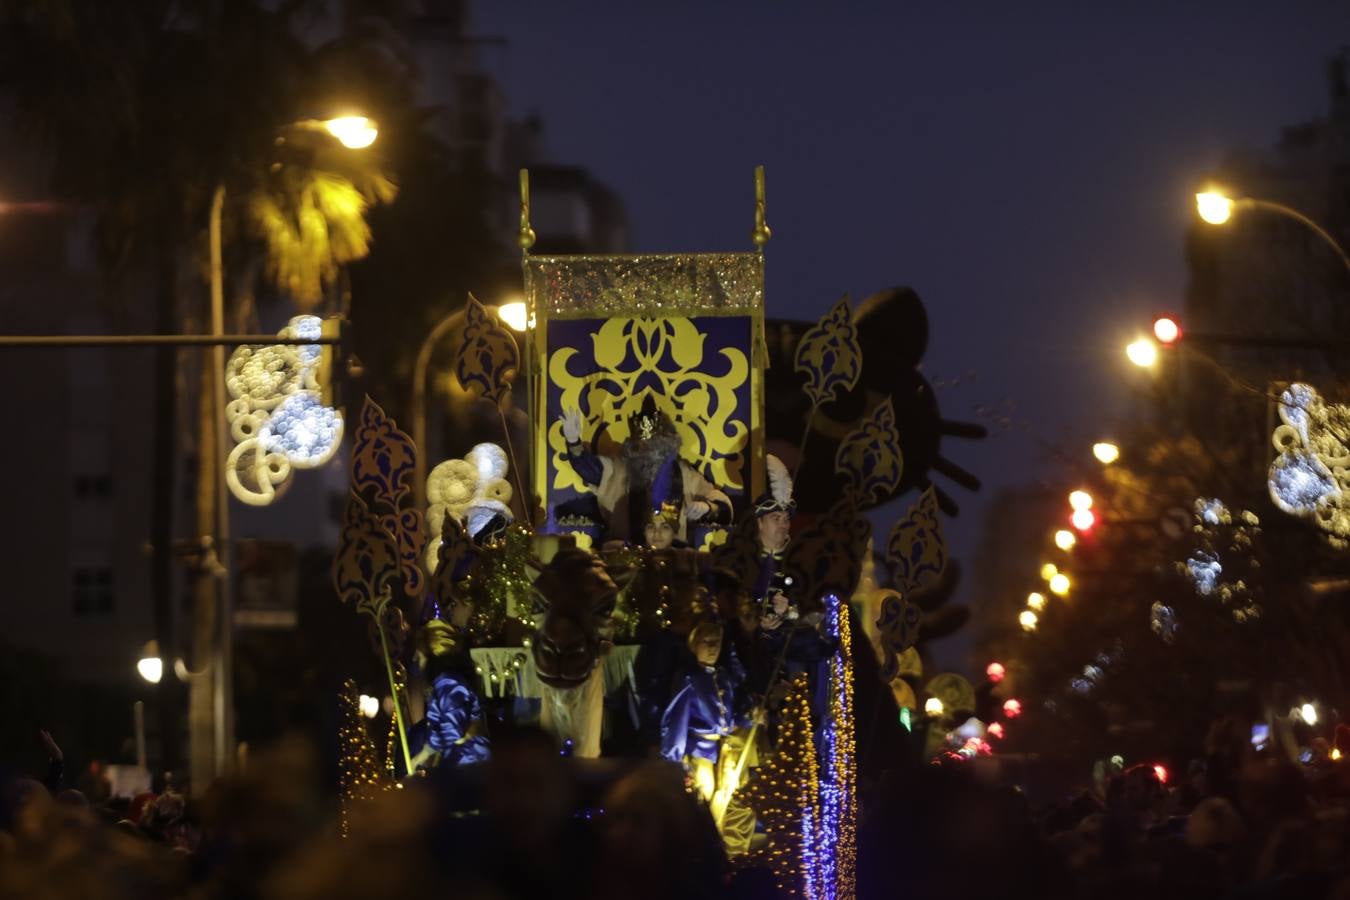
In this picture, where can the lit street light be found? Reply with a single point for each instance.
(1217, 209)
(933, 707)
(1059, 585)
(1106, 452)
(1213, 207)
(514, 315)
(1027, 620)
(1142, 352)
(353, 132)
(1065, 539)
(1048, 571)
(1080, 500)
(1036, 601)
(150, 666)
(1083, 519)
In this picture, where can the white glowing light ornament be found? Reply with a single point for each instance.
(277, 418)
(1311, 476)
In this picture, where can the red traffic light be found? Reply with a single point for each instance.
(1166, 329)
(1083, 519)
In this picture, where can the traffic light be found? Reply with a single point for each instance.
(1167, 330)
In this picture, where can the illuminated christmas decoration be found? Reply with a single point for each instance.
(995, 672)
(1204, 570)
(1065, 539)
(1012, 707)
(785, 794)
(830, 868)
(1083, 519)
(933, 707)
(1048, 571)
(1212, 511)
(1309, 478)
(277, 417)
(361, 777)
(1163, 621)
(1308, 713)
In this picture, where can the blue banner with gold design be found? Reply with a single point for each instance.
(696, 355)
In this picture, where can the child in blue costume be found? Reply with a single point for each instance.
(453, 726)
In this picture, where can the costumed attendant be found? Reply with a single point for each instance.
(704, 729)
(773, 521)
(623, 485)
(453, 728)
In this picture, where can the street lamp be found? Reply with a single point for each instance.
(1065, 539)
(1106, 452)
(1027, 620)
(514, 315)
(150, 666)
(1142, 352)
(933, 707)
(1036, 601)
(354, 132)
(1059, 585)
(1048, 571)
(1216, 209)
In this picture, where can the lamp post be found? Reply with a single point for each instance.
(1216, 208)
(354, 133)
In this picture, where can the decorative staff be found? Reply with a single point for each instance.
(831, 359)
(487, 364)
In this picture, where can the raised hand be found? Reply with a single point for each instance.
(571, 425)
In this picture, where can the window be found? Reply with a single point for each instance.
(92, 590)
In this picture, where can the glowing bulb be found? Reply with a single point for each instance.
(1308, 712)
(1166, 330)
(1335, 754)
(1027, 620)
(1161, 772)
(1059, 585)
(933, 706)
(1012, 707)
(1083, 519)
(1106, 452)
(1049, 571)
(514, 315)
(1080, 500)
(995, 672)
(1064, 539)
(996, 729)
(151, 668)
(1143, 353)
(353, 132)
(1036, 600)
(369, 706)
(1213, 207)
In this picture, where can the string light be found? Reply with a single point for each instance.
(830, 869)
(360, 775)
(785, 795)
(1036, 600)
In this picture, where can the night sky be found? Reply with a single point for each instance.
(1028, 170)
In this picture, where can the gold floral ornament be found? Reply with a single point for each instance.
(1311, 476)
(898, 624)
(916, 552)
(383, 460)
(276, 416)
(869, 459)
(663, 357)
(365, 567)
(487, 364)
(829, 355)
(488, 360)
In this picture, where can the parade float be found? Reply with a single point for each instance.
(646, 585)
